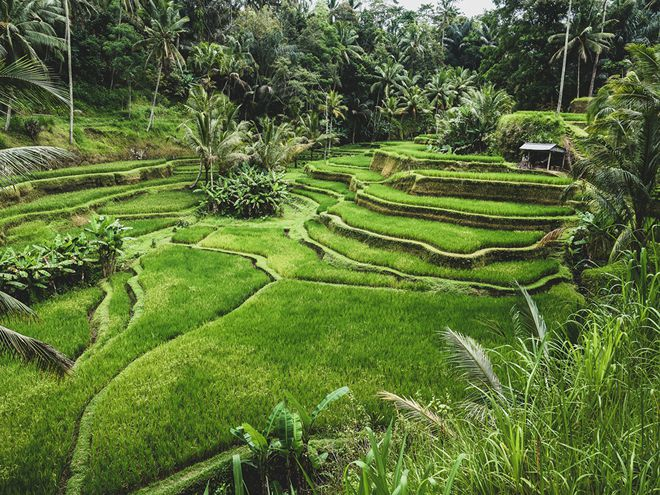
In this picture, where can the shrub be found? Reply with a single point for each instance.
(248, 192)
(579, 105)
(32, 128)
(42, 270)
(520, 127)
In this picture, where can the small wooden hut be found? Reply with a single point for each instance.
(543, 154)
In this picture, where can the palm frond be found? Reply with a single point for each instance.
(471, 360)
(413, 410)
(16, 163)
(33, 350)
(551, 236)
(10, 306)
(26, 81)
(529, 316)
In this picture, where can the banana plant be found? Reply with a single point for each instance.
(285, 438)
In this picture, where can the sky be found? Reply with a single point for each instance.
(468, 7)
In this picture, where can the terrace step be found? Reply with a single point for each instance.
(477, 188)
(75, 182)
(408, 266)
(351, 176)
(431, 253)
(380, 205)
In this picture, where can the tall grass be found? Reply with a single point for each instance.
(572, 410)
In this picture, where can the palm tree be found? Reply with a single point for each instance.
(387, 75)
(622, 154)
(24, 81)
(276, 145)
(349, 49)
(412, 44)
(447, 14)
(597, 59)
(28, 32)
(584, 42)
(391, 108)
(162, 40)
(333, 108)
(462, 80)
(28, 348)
(565, 56)
(214, 134)
(441, 92)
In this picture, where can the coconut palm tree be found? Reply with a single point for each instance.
(387, 76)
(441, 92)
(28, 32)
(391, 108)
(276, 145)
(349, 48)
(584, 43)
(447, 15)
(621, 158)
(412, 45)
(214, 133)
(28, 348)
(333, 108)
(162, 42)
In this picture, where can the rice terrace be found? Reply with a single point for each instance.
(330, 247)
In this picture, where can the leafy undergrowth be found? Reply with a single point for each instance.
(497, 208)
(108, 136)
(176, 404)
(445, 236)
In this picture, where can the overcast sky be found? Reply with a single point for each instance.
(468, 7)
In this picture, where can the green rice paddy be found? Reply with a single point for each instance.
(486, 207)
(211, 320)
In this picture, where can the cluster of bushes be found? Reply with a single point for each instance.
(42, 270)
(32, 125)
(247, 192)
(537, 127)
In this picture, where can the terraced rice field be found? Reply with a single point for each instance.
(213, 320)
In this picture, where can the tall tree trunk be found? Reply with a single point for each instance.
(578, 76)
(597, 59)
(130, 99)
(563, 65)
(67, 36)
(153, 103)
(8, 118)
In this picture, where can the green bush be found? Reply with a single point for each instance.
(579, 105)
(520, 127)
(42, 270)
(248, 192)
